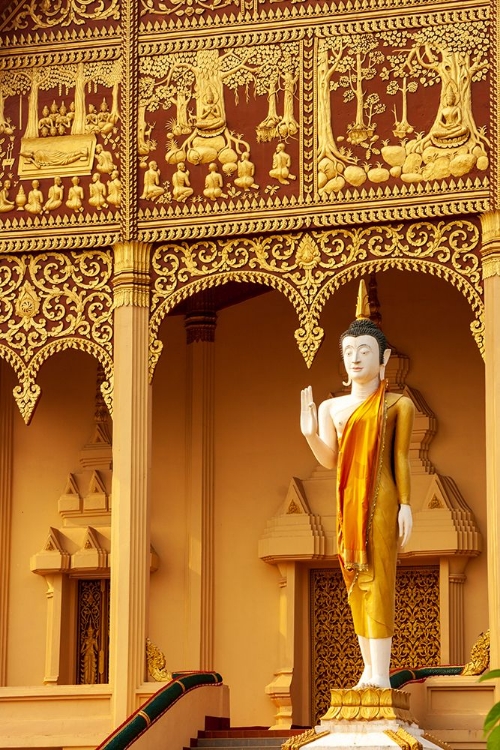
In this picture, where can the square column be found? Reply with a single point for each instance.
(6, 466)
(130, 545)
(200, 326)
(491, 277)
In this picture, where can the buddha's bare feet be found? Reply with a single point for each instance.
(378, 681)
(364, 680)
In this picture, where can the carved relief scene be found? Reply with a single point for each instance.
(59, 159)
(403, 108)
(340, 120)
(348, 113)
(230, 128)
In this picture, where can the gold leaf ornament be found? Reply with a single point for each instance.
(157, 663)
(308, 254)
(27, 303)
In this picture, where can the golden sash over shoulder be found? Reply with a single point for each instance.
(357, 481)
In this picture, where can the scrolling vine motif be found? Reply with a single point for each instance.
(308, 267)
(52, 302)
(182, 8)
(45, 14)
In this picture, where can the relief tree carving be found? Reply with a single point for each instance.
(331, 159)
(455, 56)
(280, 74)
(9, 86)
(400, 81)
(358, 65)
(452, 56)
(84, 75)
(70, 76)
(196, 85)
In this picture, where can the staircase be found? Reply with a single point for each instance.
(254, 738)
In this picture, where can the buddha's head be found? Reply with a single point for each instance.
(363, 346)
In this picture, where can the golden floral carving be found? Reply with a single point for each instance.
(27, 303)
(308, 254)
(295, 743)
(480, 656)
(40, 242)
(45, 14)
(285, 11)
(49, 303)
(157, 663)
(368, 704)
(404, 739)
(309, 267)
(182, 8)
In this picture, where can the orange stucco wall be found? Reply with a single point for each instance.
(45, 453)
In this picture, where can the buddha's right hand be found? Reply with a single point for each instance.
(308, 413)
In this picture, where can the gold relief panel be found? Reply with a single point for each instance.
(168, 15)
(336, 661)
(220, 126)
(372, 129)
(347, 122)
(27, 17)
(59, 143)
(304, 114)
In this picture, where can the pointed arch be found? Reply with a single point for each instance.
(308, 267)
(307, 332)
(27, 392)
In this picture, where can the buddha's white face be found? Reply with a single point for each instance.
(361, 358)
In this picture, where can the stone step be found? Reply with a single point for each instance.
(256, 739)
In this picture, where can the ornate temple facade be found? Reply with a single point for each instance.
(190, 191)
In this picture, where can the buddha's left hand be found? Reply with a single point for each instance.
(405, 523)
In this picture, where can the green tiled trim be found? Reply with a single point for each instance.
(156, 706)
(402, 676)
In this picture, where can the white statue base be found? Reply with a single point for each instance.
(371, 718)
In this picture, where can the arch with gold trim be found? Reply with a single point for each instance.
(308, 267)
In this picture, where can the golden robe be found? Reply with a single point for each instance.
(373, 479)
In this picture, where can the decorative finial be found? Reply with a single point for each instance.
(362, 304)
(375, 314)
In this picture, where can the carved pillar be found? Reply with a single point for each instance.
(6, 425)
(451, 595)
(56, 585)
(457, 581)
(131, 487)
(200, 332)
(280, 689)
(491, 278)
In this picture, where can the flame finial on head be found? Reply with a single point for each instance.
(362, 304)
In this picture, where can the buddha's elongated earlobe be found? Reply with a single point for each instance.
(348, 382)
(386, 356)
